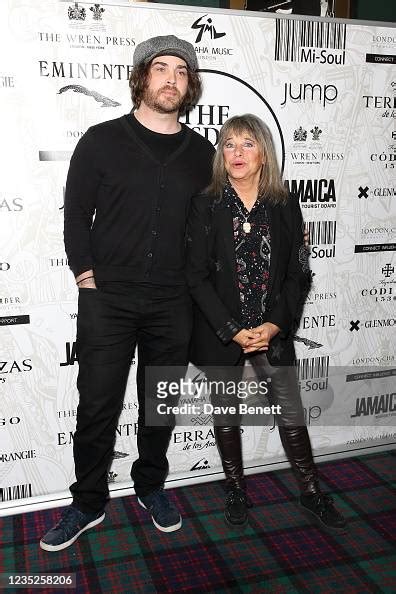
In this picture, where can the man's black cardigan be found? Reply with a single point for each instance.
(125, 212)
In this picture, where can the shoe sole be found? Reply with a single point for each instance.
(172, 528)
(331, 529)
(64, 545)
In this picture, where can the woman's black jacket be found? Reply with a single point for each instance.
(212, 278)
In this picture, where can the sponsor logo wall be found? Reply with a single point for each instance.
(327, 91)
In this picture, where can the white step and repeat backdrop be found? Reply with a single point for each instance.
(327, 91)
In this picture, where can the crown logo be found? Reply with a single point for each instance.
(76, 13)
(300, 134)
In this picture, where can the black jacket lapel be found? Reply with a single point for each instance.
(273, 216)
(224, 224)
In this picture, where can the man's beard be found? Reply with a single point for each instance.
(162, 103)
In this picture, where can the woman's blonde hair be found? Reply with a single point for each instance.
(270, 187)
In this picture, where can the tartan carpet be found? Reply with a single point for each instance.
(279, 552)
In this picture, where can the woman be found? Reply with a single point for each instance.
(248, 274)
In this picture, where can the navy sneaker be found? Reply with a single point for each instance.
(321, 507)
(164, 514)
(72, 523)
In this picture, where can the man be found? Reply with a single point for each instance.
(127, 196)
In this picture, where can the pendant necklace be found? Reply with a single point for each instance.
(246, 226)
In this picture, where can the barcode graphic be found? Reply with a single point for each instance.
(321, 232)
(314, 367)
(291, 36)
(15, 492)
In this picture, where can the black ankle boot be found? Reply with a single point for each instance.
(236, 507)
(321, 508)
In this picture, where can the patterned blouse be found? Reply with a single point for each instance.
(252, 250)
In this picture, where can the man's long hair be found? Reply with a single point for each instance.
(138, 82)
(270, 186)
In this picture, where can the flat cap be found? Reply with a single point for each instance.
(165, 45)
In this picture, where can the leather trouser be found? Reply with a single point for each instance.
(229, 444)
(293, 432)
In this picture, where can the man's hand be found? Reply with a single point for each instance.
(86, 280)
(246, 337)
(266, 332)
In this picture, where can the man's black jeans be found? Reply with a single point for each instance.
(112, 320)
